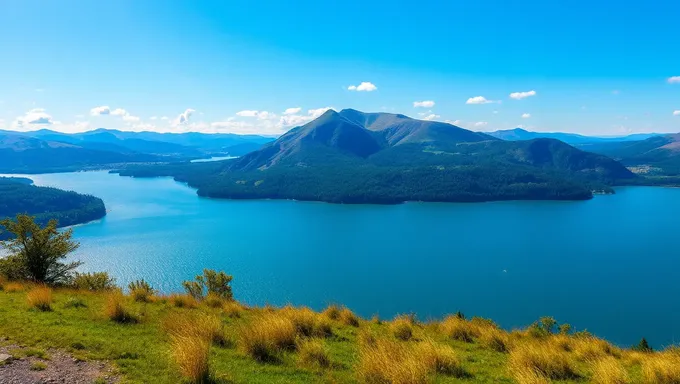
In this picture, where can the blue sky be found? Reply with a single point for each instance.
(263, 66)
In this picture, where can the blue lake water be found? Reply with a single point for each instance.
(610, 264)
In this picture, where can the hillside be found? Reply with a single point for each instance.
(69, 208)
(355, 157)
(656, 156)
(154, 338)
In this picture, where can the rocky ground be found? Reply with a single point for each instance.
(20, 365)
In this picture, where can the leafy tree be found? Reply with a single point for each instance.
(564, 329)
(36, 253)
(547, 323)
(216, 283)
(643, 346)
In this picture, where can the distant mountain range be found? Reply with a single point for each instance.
(569, 138)
(355, 157)
(48, 151)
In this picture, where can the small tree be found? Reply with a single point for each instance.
(643, 346)
(37, 253)
(547, 323)
(216, 283)
(564, 329)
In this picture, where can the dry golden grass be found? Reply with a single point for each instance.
(440, 358)
(313, 352)
(233, 309)
(494, 339)
(213, 301)
(387, 361)
(592, 348)
(192, 356)
(40, 298)
(115, 309)
(307, 322)
(203, 325)
(402, 328)
(348, 317)
(543, 359)
(332, 312)
(524, 375)
(12, 287)
(459, 329)
(183, 301)
(608, 370)
(141, 295)
(661, 368)
(266, 337)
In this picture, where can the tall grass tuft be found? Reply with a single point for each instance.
(95, 281)
(201, 325)
(402, 328)
(40, 298)
(266, 337)
(459, 329)
(141, 291)
(387, 361)
(212, 300)
(440, 359)
(183, 301)
(661, 368)
(13, 287)
(608, 370)
(332, 312)
(348, 317)
(307, 322)
(494, 339)
(192, 356)
(543, 360)
(313, 352)
(116, 309)
(232, 309)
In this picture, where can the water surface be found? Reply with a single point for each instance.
(609, 264)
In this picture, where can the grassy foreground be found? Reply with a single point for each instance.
(173, 339)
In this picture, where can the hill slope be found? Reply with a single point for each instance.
(658, 155)
(355, 157)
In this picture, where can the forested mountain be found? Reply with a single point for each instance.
(356, 157)
(18, 195)
(569, 138)
(658, 155)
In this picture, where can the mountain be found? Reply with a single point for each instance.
(569, 138)
(355, 157)
(19, 196)
(19, 154)
(659, 155)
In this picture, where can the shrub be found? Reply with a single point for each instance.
(543, 360)
(116, 309)
(141, 291)
(332, 312)
(192, 356)
(348, 317)
(387, 361)
(216, 283)
(402, 328)
(74, 302)
(313, 352)
(266, 337)
(642, 346)
(440, 359)
(40, 298)
(183, 301)
(609, 371)
(96, 281)
(458, 329)
(661, 368)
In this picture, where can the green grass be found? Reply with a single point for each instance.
(141, 353)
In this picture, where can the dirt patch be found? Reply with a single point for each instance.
(34, 366)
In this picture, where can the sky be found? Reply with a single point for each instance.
(263, 67)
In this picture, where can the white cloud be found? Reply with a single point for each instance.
(365, 86)
(247, 113)
(676, 113)
(314, 113)
(454, 122)
(479, 100)
(423, 104)
(292, 111)
(81, 126)
(183, 117)
(526, 115)
(119, 112)
(128, 118)
(674, 79)
(431, 117)
(481, 124)
(153, 118)
(165, 118)
(264, 115)
(102, 110)
(522, 95)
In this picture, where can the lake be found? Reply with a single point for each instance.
(610, 264)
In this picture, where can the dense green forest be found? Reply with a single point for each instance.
(68, 208)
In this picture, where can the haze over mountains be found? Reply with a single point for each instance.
(569, 138)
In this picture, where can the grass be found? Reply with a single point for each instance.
(232, 343)
(40, 298)
(38, 366)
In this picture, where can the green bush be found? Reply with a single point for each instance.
(215, 283)
(141, 291)
(95, 281)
